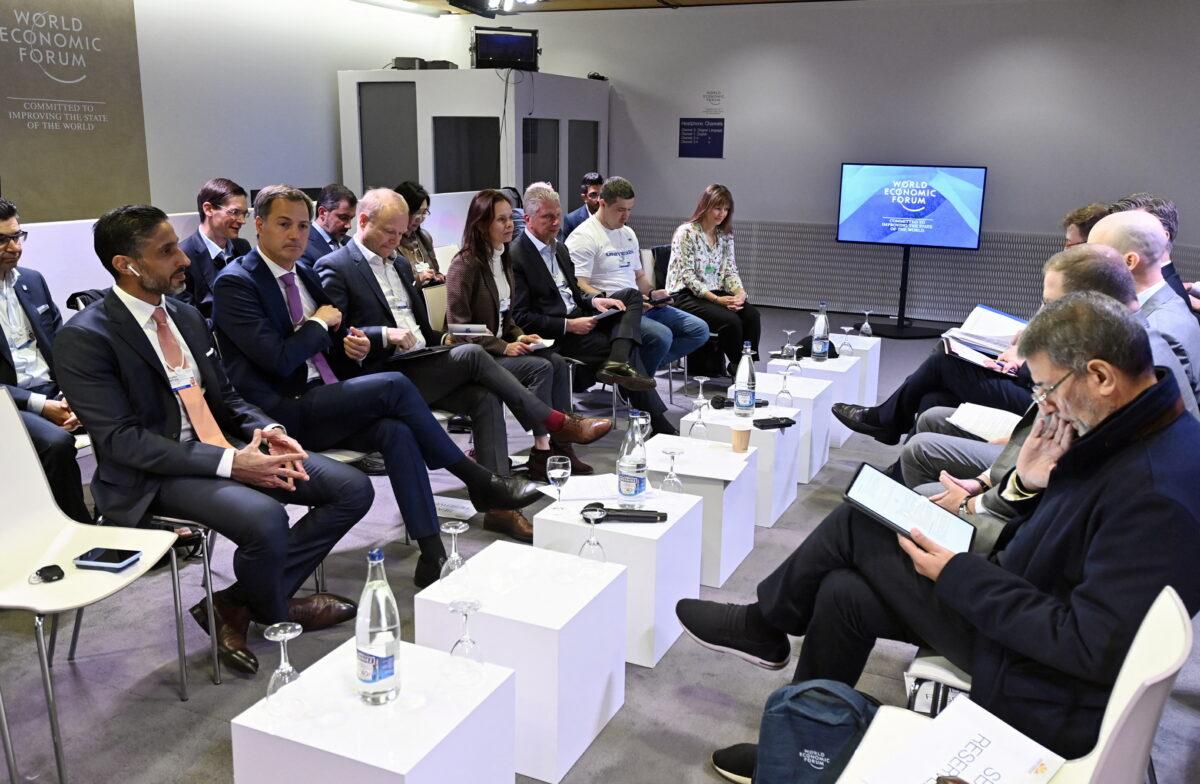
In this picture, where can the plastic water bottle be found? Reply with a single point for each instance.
(743, 383)
(631, 465)
(820, 335)
(377, 635)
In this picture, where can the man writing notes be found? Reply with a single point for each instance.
(172, 437)
(607, 258)
(287, 351)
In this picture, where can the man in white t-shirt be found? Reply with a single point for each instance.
(607, 258)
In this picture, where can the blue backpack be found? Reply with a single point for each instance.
(809, 732)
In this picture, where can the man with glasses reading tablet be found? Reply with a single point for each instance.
(1042, 623)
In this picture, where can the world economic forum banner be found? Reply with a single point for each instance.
(72, 137)
(936, 206)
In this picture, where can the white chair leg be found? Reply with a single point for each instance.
(571, 381)
(75, 634)
(10, 758)
(206, 559)
(39, 636)
(183, 684)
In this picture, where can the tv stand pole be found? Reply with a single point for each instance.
(903, 329)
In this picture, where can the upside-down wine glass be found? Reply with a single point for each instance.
(558, 471)
(465, 656)
(784, 399)
(698, 429)
(671, 482)
(789, 350)
(591, 549)
(286, 704)
(865, 329)
(455, 561)
(846, 349)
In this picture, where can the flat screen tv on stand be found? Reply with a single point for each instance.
(910, 206)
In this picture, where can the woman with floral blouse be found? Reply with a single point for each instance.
(703, 278)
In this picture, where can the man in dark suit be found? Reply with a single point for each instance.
(29, 321)
(548, 301)
(589, 191)
(377, 292)
(287, 351)
(172, 437)
(223, 211)
(1043, 623)
(331, 226)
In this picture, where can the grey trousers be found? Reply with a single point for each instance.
(468, 380)
(940, 446)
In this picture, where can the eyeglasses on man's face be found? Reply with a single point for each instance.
(1040, 394)
(18, 238)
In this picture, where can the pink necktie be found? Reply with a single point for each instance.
(204, 424)
(296, 309)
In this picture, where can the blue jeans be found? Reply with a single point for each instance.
(669, 333)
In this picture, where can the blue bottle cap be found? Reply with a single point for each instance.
(375, 554)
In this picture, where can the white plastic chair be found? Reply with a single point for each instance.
(10, 759)
(444, 255)
(34, 533)
(1122, 750)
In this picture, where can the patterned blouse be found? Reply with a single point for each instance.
(701, 267)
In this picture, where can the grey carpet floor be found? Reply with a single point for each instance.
(123, 722)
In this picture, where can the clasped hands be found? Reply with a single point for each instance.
(280, 466)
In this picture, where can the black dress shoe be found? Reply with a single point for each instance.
(722, 628)
(625, 375)
(428, 571)
(736, 763)
(855, 418)
(503, 492)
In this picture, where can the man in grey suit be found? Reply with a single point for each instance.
(934, 461)
(378, 294)
(1142, 242)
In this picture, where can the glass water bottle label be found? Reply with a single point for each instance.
(744, 398)
(820, 346)
(628, 484)
(373, 669)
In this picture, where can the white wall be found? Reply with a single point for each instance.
(1067, 101)
(248, 90)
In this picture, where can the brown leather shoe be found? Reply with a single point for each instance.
(232, 623)
(511, 523)
(582, 430)
(578, 467)
(536, 467)
(320, 611)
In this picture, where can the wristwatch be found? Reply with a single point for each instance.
(963, 508)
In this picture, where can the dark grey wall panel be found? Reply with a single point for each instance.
(387, 113)
(796, 265)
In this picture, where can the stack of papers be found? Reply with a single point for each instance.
(990, 424)
(987, 330)
(968, 742)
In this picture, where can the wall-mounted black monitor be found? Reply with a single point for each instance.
(917, 206)
(504, 47)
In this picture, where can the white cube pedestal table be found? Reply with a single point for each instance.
(438, 730)
(813, 397)
(663, 560)
(869, 350)
(844, 373)
(726, 481)
(778, 455)
(556, 619)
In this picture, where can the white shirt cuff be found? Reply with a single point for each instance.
(324, 326)
(383, 336)
(36, 403)
(981, 507)
(225, 467)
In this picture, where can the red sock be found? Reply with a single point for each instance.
(555, 421)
